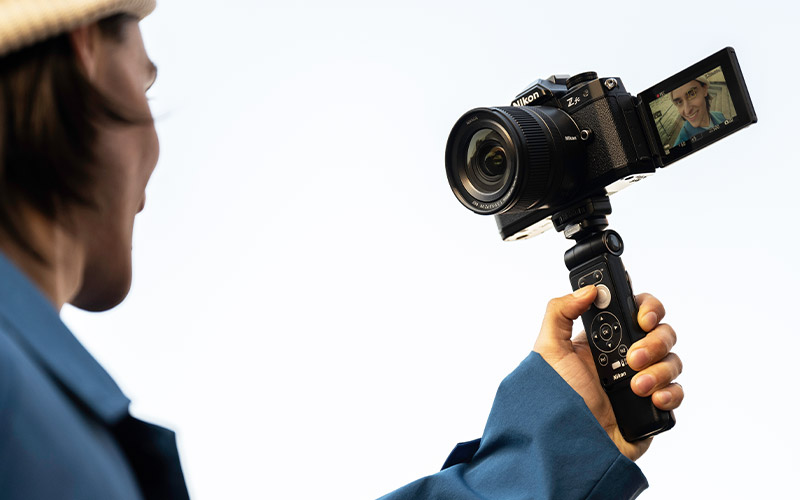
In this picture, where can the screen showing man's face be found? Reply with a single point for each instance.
(695, 107)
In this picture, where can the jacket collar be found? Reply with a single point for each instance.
(32, 321)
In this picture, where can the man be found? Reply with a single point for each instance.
(77, 147)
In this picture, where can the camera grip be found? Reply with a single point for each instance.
(611, 328)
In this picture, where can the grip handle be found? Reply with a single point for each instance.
(611, 328)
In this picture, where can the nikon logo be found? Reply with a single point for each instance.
(618, 376)
(525, 100)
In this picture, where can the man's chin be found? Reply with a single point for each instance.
(102, 295)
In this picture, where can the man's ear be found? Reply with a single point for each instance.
(85, 44)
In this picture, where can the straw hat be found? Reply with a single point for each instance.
(25, 22)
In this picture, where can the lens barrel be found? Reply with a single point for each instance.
(509, 159)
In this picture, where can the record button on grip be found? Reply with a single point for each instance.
(603, 297)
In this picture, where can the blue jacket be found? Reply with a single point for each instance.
(65, 430)
(540, 442)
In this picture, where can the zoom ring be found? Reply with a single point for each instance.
(535, 173)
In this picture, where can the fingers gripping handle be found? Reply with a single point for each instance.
(612, 327)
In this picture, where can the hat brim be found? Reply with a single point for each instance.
(25, 22)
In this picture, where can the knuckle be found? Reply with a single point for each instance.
(649, 301)
(678, 363)
(661, 346)
(672, 367)
(664, 377)
(670, 332)
(677, 394)
(665, 338)
(641, 298)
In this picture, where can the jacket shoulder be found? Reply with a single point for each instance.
(49, 447)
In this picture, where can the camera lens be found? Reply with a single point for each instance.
(509, 159)
(487, 165)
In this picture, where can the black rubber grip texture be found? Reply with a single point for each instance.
(637, 417)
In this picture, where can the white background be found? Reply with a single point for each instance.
(317, 316)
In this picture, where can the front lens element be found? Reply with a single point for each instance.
(487, 166)
(492, 160)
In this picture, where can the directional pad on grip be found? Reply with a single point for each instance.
(606, 332)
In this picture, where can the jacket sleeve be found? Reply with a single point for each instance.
(540, 441)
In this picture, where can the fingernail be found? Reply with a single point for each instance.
(664, 397)
(582, 292)
(649, 321)
(638, 359)
(644, 383)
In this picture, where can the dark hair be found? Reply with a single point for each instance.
(49, 113)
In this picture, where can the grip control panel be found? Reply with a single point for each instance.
(607, 334)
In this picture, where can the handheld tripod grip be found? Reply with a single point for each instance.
(612, 327)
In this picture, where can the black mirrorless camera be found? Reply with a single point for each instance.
(559, 150)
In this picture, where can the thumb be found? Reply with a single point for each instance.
(561, 312)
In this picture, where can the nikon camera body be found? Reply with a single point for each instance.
(564, 139)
